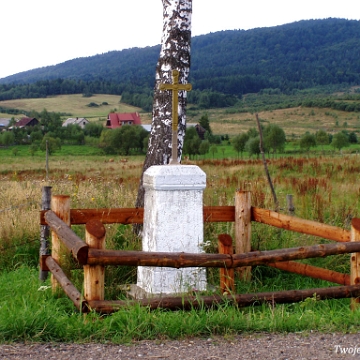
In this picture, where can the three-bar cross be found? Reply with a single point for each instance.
(175, 87)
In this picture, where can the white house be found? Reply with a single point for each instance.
(4, 123)
(76, 121)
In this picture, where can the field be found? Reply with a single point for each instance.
(324, 189)
(324, 185)
(295, 121)
(73, 105)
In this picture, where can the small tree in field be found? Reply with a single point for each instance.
(192, 142)
(33, 148)
(353, 138)
(204, 147)
(7, 138)
(253, 146)
(52, 144)
(307, 141)
(339, 141)
(322, 138)
(239, 142)
(213, 150)
(123, 140)
(205, 123)
(223, 151)
(274, 138)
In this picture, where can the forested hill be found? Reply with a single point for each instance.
(293, 56)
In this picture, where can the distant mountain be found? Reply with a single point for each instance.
(294, 56)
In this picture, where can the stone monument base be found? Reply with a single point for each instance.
(137, 293)
(173, 223)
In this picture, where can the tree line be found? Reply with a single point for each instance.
(133, 140)
(274, 140)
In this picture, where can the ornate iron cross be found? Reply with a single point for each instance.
(175, 87)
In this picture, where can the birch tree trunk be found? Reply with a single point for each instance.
(174, 55)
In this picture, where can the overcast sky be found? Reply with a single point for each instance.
(37, 33)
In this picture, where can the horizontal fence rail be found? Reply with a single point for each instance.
(196, 302)
(87, 256)
(181, 260)
(299, 225)
(212, 214)
(312, 271)
(136, 215)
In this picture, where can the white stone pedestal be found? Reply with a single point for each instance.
(173, 222)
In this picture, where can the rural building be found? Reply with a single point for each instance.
(4, 123)
(115, 120)
(26, 121)
(76, 121)
(199, 129)
(146, 127)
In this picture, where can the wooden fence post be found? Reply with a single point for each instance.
(226, 275)
(60, 205)
(355, 261)
(243, 229)
(94, 275)
(44, 230)
(290, 204)
(47, 161)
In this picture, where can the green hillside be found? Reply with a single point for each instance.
(225, 65)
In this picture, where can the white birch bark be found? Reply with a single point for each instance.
(174, 55)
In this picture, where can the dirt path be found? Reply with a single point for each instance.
(250, 346)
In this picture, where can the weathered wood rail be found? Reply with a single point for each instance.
(212, 214)
(93, 256)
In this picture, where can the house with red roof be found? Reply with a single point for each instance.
(115, 120)
(26, 121)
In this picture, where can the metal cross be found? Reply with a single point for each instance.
(175, 87)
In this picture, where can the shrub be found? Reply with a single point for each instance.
(92, 104)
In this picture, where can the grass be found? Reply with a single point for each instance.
(29, 312)
(325, 189)
(294, 121)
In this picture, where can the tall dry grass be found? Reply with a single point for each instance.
(90, 183)
(324, 189)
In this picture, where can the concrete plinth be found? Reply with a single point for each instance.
(173, 222)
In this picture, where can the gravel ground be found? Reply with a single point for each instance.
(249, 346)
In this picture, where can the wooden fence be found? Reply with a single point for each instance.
(93, 255)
